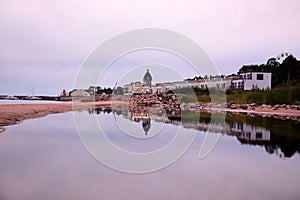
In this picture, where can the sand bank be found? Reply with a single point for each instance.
(13, 114)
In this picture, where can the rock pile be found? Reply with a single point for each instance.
(152, 99)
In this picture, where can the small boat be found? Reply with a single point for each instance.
(35, 98)
(10, 98)
(32, 98)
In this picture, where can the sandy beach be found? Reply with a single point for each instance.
(13, 114)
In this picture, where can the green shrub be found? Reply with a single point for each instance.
(189, 99)
(255, 97)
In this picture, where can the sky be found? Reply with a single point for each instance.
(45, 43)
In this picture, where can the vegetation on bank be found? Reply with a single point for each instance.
(285, 84)
(286, 94)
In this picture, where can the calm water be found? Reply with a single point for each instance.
(254, 158)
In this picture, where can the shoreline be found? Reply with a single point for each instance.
(260, 112)
(11, 114)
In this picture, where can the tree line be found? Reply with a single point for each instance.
(285, 73)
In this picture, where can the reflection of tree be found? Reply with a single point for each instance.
(284, 133)
(118, 112)
(98, 111)
(287, 144)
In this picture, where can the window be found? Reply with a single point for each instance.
(234, 85)
(248, 135)
(240, 85)
(260, 77)
(243, 76)
(249, 76)
(232, 125)
(258, 135)
(240, 126)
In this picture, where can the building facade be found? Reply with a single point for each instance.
(252, 80)
(242, 81)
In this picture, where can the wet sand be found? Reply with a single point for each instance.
(13, 114)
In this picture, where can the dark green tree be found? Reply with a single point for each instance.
(289, 70)
(119, 91)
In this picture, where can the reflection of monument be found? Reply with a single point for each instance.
(146, 123)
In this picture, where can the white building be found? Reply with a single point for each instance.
(252, 80)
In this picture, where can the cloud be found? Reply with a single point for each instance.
(232, 32)
(22, 80)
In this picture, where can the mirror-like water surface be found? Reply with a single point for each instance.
(255, 158)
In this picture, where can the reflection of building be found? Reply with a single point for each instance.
(142, 115)
(280, 144)
(138, 115)
(249, 134)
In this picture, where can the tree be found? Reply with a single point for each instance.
(272, 62)
(290, 69)
(107, 90)
(119, 91)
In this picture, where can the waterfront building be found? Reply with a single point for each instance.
(138, 87)
(252, 80)
(242, 81)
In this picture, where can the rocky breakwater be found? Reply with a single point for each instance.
(163, 99)
(168, 102)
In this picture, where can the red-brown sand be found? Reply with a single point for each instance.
(13, 114)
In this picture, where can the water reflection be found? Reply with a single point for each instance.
(143, 116)
(279, 137)
(44, 159)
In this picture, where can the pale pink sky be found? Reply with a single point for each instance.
(43, 43)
